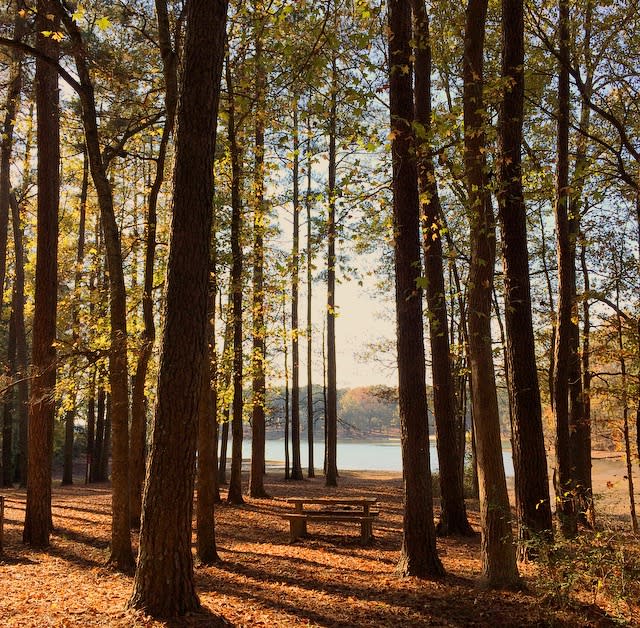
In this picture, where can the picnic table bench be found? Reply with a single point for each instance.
(338, 509)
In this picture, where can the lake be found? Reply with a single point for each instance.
(355, 455)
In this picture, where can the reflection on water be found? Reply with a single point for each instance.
(356, 455)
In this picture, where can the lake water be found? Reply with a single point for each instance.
(355, 455)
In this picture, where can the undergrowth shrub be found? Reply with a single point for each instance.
(599, 569)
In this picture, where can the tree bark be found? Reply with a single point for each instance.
(579, 406)
(296, 468)
(453, 514)
(585, 360)
(234, 496)
(91, 428)
(533, 506)
(121, 554)
(20, 367)
(497, 549)
(12, 105)
(9, 408)
(287, 462)
(418, 555)
(100, 445)
(258, 382)
(138, 434)
(624, 400)
(224, 379)
(331, 471)
(206, 478)
(37, 523)
(164, 583)
(214, 365)
(67, 473)
(17, 307)
(309, 259)
(564, 481)
(638, 326)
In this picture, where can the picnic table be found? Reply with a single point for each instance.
(360, 510)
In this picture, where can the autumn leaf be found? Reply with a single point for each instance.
(103, 23)
(78, 14)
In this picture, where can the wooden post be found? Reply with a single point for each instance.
(1, 521)
(297, 527)
(366, 530)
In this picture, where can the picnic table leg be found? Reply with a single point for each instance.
(297, 528)
(366, 532)
(1, 521)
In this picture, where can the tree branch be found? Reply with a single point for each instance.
(30, 50)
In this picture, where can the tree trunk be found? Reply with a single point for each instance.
(67, 456)
(91, 428)
(205, 509)
(37, 523)
(107, 452)
(224, 442)
(258, 382)
(551, 307)
(564, 481)
(138, 434)
(464, 385)
(67, 473)
(213, 356)
(9, 403)
(20, 367)
(99, 448)
(224, 385)
(453, 515)
(287, 462)
(17, 307)
(624, 400)
(234, 496)
(533, 506)
(121, 554)
(164, 583)
(586, 340)
(310, 435)
(638, 327)
(498, 554)
(11, 107)
(579, 408)
(208, 490)
(324, 395)
(418, 555)
(331, 477)
(296, 469)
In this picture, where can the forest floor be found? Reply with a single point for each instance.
(328, 579)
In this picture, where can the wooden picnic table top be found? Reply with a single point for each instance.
(341, 501)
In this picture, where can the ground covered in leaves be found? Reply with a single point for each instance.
(328, 579)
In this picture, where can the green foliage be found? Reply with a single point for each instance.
(601, 569)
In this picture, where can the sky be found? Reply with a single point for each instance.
(362, 320)
(365, 317)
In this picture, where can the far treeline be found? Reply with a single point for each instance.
(179, 179)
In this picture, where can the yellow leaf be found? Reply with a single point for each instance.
(103, 23)
(79, 14)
